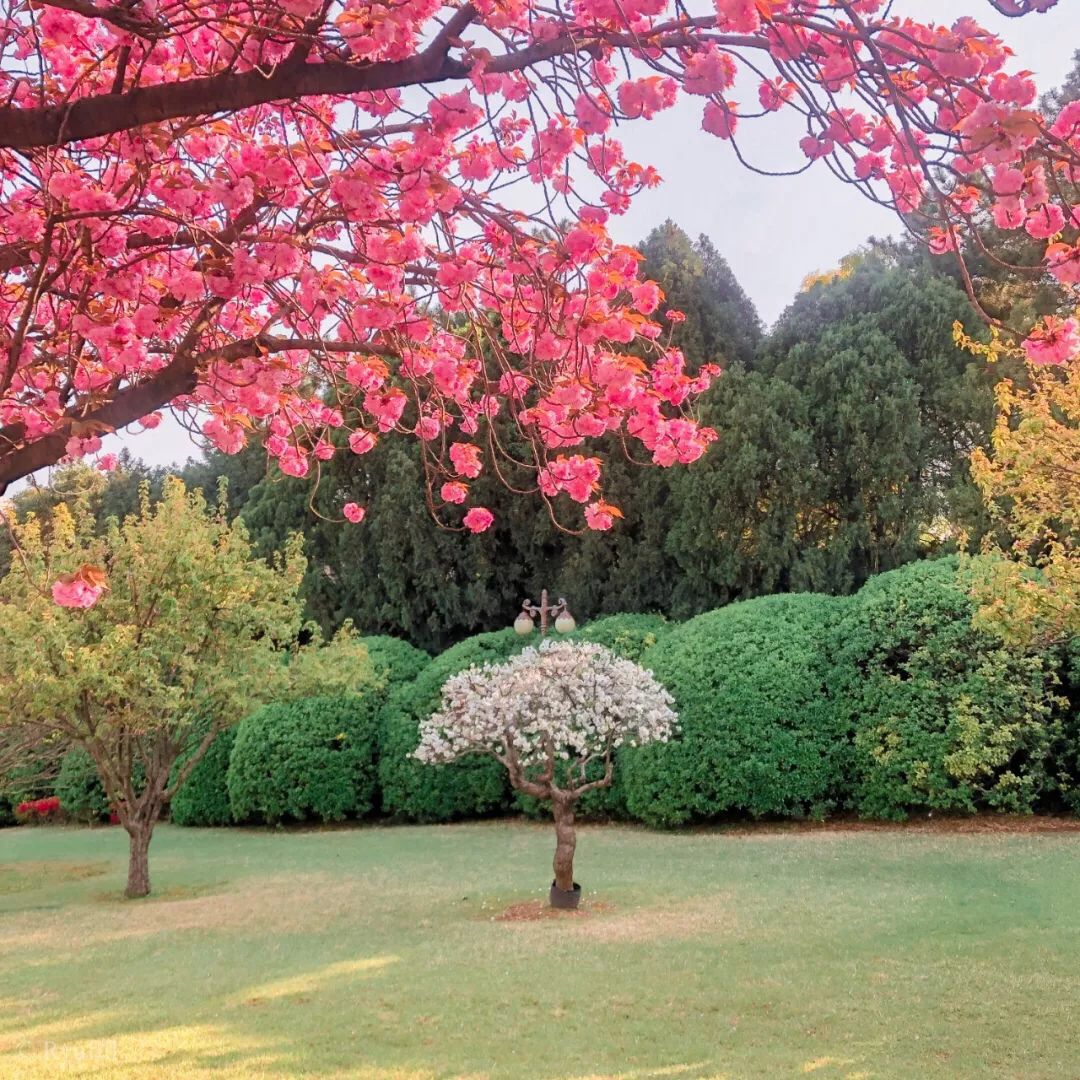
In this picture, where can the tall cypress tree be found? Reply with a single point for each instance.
(895, 409)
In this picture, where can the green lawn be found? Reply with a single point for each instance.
(376, 953)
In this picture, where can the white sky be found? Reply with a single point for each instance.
(773, 231)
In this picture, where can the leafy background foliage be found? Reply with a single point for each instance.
(82, 797)
(204, 797)
(305, 760)
(944, 715)
(466, 788)
(759, 734)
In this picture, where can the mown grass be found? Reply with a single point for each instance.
(376, 953)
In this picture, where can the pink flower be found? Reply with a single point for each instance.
(478, 519)
(454, 492)
(77, 447)
(646, 97)
(870, 167)
(360, 442)
(942, 240)
(228, 438)
(466, 459)
(74, 594)
(582, 244)
(815, 148)
(593, 113)
(1067, 125)
(773, 95)
(107, 462)
(353, 512)
(1008, 181)
(293, 461)
(720, 120)
(81, 589)
(578, 476)
(742, 16)
(1045, 222)
(428, 428)
(647, 297)
(709, 72)
(601, 515)
(1056, 341)
(1064, 262)
(1008, 213)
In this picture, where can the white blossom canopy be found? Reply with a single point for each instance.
(563, 702)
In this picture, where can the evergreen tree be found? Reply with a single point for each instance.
(636, 566)
(721, 324)
(894, 410)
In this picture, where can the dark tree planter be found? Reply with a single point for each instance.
(568, 899)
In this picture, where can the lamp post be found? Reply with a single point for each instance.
(564, 621)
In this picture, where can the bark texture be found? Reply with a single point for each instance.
(138, 882)
(565, 842)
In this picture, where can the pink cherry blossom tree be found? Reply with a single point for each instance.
(281, 218)
(548, 716)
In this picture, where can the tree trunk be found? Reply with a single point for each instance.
(565, 842)
(138, 882)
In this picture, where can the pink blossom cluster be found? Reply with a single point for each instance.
(319, 257)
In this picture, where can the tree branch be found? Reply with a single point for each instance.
(1013, 9)
(229, 92)
(135, 401)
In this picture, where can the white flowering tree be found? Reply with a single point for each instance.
(548, 716)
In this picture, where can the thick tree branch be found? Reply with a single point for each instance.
(230, 92)
(135, 401)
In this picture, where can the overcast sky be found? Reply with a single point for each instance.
(773, 231)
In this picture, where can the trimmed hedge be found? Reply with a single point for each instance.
(945, 716)
(759, 733)
(886, 702)
(204, 797)
(306, 760)
(394, 661)
(82, 795)
(471, 787)
(629, 636)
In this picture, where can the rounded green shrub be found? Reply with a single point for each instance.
(312, 759)
(759, 734)
(468, 788)
(629, 636)
(945, 716)
(393, 660)
(82, 796)
(203, 798)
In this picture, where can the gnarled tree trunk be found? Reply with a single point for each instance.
(565, 841)
(138, 882)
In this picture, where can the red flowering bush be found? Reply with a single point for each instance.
(38, 811)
